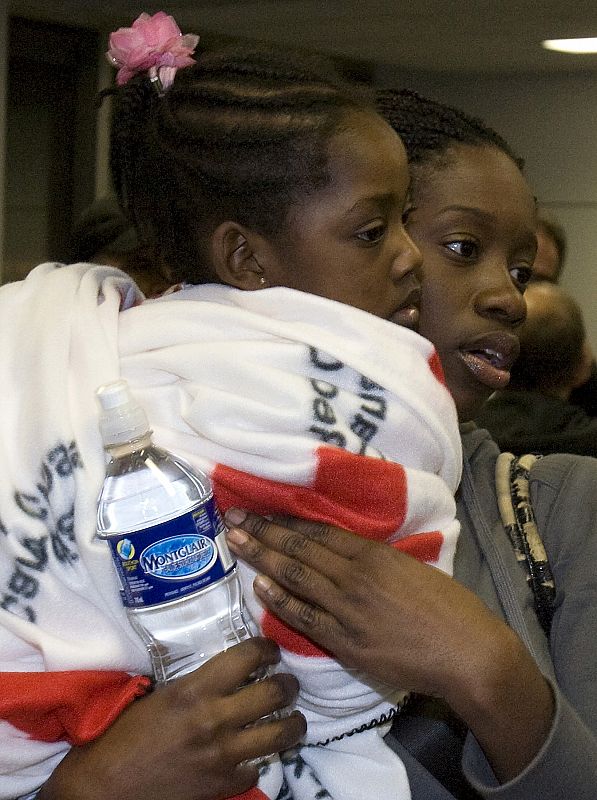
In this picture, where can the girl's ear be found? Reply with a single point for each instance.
(237, 256)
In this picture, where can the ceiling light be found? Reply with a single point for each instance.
(587, 44)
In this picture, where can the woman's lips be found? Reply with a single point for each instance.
(490, 357)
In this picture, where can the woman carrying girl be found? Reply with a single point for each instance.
(274, 199)
(529, 701)
(329, 189)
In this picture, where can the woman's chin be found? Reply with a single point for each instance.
(469, 400)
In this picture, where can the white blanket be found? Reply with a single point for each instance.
(291, 402)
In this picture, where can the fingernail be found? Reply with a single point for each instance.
(234, 536)
(235, 516)
(263, 583)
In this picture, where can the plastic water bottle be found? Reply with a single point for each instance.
(178, 581)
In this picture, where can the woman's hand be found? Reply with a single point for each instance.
(403, 622)
(188, 740)
(397, 619)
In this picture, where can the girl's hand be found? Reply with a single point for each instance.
(403, 622)
(188, 740)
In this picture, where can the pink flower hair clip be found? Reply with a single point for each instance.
(154, 44)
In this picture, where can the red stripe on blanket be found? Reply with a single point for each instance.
(251, 794)
(362, 494)
(422, 546)
(436, 367)
(359, 493)
(288, 638)
(74, 706)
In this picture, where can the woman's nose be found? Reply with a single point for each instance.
(408, 257)
(502, 302)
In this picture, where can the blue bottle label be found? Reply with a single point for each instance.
(172, 559)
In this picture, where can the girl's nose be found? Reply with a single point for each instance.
(408, 258)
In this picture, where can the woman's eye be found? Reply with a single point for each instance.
(522, 275)
(463, 247)
(372, 234)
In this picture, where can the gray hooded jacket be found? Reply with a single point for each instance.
(564, 497)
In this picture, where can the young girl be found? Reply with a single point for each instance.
(275, 198)
(529, 703)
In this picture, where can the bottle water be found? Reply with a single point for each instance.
(178, 581)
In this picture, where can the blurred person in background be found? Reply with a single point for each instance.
(103, 235)
(534, 414)
(552, 249)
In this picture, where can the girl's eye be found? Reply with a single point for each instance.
(464, 248)
(522, 275)
(373, 234)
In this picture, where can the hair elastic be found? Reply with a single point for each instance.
(154, 44)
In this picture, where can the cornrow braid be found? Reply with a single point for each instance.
(429, 128)
(241, 135)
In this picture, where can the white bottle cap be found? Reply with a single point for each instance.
(122, 418)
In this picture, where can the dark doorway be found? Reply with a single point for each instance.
(50, 139)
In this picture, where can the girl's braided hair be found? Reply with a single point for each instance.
(429, 128)
(241, 135)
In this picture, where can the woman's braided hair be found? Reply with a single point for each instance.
(429, 128)
(241, 135)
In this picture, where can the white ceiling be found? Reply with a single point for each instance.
(439, 35)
